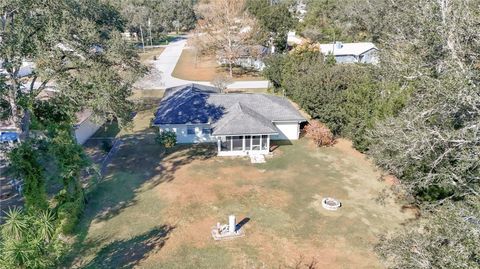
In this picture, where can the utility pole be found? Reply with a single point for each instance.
(150, 32)
(141, 35)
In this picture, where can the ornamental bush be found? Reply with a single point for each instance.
(319, 133)
(167, 138)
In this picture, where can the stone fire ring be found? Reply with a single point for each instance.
(331, 204)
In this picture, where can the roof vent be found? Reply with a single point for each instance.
(338, 45)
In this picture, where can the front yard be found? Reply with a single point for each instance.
(206, 68)
(155, 208)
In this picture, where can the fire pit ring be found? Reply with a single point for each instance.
(331, 204)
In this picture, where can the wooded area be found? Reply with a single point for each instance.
(416, 114)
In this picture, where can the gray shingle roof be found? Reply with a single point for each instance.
(232, 113)
(240, 119)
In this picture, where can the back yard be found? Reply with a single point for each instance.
(155, 208)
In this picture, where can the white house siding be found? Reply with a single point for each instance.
(346, 59)
(288, 131)
(85, 130)
(369, 57)
(182, 133)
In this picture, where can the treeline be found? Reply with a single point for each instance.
(416, 114)
(350, 99)
(155, 18)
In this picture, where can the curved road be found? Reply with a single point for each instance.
(161, 76)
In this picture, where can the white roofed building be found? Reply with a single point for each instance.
(362, 52)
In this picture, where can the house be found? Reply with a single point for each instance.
(86, 126)
(362, 52)
(129, 36)
(249, 57)
(239, 123)
(26, 69)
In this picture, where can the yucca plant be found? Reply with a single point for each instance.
(29, 240)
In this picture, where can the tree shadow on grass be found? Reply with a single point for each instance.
(128, 253)
(140, 164)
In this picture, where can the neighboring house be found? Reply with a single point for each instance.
(129, 36)
(249, 57)
(362, 52)
(86, 126)
(25, 70)
(239, 123)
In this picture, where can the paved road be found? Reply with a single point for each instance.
(161, 75)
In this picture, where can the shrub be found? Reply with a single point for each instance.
(167, 138)
(69, 214)
(107, 145)
(319, 133)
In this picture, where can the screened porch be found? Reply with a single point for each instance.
(243, 145)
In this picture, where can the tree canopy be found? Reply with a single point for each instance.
(275, 20)
(74, 50)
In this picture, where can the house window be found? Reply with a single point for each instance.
(206, 131)
(190, 130)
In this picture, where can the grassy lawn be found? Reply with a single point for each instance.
(147, 56)
(205, 68)
(155, 208)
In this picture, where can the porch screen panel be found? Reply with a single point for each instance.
(256, 142)
(227, 144)
(237, 143)
(248, 142)
(264, 142)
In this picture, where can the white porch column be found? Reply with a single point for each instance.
(268, 143)
(243, 143)
(219, 144)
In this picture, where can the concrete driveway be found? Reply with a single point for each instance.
(161, 77)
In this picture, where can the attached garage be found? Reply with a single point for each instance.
(288, 130)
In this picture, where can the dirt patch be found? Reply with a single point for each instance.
(191, 66)
(346, 146)
(391, 180)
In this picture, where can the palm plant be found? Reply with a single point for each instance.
(29, 240)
